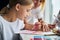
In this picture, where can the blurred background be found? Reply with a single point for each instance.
(52, 8)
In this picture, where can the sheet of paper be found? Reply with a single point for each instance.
(27, 31)
(35, 32)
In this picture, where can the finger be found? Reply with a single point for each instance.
(40, 27)
(47, 29)
(43, 28)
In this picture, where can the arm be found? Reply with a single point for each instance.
(27, 25)
(38, 27)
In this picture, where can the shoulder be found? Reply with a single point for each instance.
(1, 26)
(0, 22)
(1, 18)
(1, 30)
(21, 24)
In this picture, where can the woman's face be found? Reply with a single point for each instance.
(24, 11)
(37, 2)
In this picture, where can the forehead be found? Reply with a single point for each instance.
(28, 6)
(36, 0)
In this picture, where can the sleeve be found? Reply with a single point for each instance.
(21, 24)
(1, 32)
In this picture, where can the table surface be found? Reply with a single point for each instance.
(27, 35)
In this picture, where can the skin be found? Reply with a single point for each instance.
(21, 12)
(37, 3)
(24, 11)
(18, 11)
(43, 28)
(10, 15)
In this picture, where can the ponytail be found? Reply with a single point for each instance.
(4, 10)
(13, 3)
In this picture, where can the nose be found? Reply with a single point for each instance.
(28, 14)
(34, 1)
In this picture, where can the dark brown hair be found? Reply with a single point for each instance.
(14, 2)
(21, 2)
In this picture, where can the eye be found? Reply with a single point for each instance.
(40, 0)
(29, 10)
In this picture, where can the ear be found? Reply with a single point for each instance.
(17, 7)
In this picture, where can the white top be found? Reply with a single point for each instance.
(35, 15)
(9, 28)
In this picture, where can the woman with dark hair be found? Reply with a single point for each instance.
(11, 20)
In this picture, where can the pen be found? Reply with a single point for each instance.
(52, 35)
(57, 18)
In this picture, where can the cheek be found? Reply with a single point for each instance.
(23, 13)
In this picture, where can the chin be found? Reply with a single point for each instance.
(21, 18)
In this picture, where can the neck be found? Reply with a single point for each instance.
(20, 17)
(10, 16)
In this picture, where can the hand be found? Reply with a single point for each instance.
(45, 28)
(41, 26)
(37, 26)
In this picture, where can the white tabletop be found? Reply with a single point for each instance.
(27, 35)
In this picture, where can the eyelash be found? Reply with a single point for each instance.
(28, 10)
